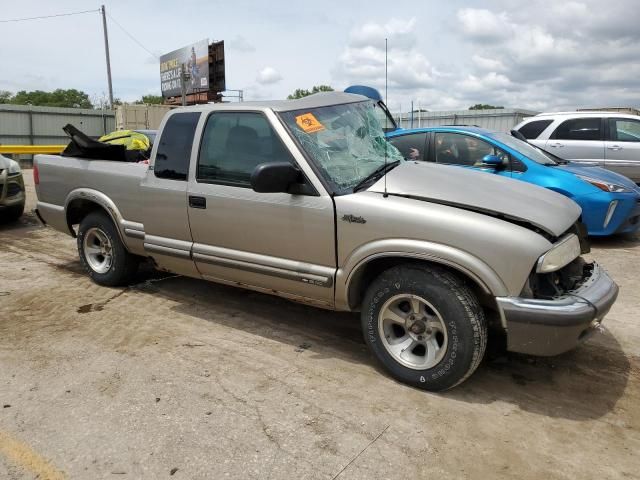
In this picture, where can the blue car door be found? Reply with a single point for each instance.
(453, 148)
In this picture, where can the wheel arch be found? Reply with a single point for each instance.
(83, 201)
(368, 261)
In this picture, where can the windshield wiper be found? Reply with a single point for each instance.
(376, 175)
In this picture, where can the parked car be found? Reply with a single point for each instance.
(606, 139)
(307, 200)
(12, 195)
(610, 202)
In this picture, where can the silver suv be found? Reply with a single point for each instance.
(606, 139)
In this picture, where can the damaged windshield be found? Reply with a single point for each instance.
(346, 142)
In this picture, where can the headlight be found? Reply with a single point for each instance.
(14, 167)
(562, 253)
(605, 186)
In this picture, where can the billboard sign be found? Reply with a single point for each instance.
(195, 58)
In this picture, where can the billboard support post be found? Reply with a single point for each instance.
(183, 84)
(106, 51)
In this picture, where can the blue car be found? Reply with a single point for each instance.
(610, 202)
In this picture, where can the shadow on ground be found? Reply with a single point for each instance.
(626, 240)
(583, 384)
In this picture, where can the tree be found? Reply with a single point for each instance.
(484, 106)
(150, 100)
(5, 96)
(301, 92)
(58, 98)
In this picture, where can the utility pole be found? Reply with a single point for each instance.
(106, 51)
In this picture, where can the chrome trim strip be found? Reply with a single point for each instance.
(134, 233)
(162, 250)
(265, 264)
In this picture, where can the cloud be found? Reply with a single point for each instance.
(268, 76)
(240, 44)
(484, 25)
(363, 59)
(551, 56)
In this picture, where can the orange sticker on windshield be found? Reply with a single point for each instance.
(309, 123)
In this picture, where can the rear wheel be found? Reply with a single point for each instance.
(102, 253)
(424, 325)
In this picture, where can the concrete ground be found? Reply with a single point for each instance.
(174, 377)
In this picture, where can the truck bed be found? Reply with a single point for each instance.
(59, 176)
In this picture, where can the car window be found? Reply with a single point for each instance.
(458, 149)
(233, 144)
(579, 129)
(624, 130)
(174, 149)
(532, 130)
(411, 146)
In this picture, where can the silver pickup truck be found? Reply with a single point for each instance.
(305, 199)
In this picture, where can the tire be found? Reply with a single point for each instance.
(424, 325)
(102, 253)
(14, 212)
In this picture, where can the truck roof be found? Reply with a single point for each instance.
(323, 99)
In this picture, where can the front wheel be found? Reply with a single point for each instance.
(102, 253)
(424, 325)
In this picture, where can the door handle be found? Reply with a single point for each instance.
(614, 147)
(556, 145)
(197, 202)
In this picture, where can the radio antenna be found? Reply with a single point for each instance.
(386, 117)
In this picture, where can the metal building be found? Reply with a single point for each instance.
(501, 120)
(30, 125)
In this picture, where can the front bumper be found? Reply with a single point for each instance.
(551, 327)
(11, 190)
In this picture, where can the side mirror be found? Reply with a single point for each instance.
(274, 177)
(492, 161)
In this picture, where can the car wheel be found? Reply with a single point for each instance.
(13, 213)
(425, 326)
(102, 253)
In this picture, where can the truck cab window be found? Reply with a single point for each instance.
(174, 149)
(233, 144)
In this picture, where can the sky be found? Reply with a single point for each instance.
(540, 55)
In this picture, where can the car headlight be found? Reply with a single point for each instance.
(562, 253)
(605, 186)
(14, 167)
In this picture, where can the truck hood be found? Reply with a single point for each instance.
(513, 200)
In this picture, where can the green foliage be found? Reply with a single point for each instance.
(484, 106)
(301, 92)
(150, 100)
(71, 98)
(5, 96)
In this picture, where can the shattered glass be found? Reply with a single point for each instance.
(347, 145)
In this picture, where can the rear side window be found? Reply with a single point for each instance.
(579, 129)
(234, 144)
(174, 149)
(532, 130)
(410, 146)
(624, 130)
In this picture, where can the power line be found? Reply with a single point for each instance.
(132, 37)
(47, 16)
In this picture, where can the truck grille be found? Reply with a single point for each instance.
(13, 189)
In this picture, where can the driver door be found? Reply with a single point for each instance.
(279, 242)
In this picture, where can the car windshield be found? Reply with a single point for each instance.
(524, 148)
(346, 142)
